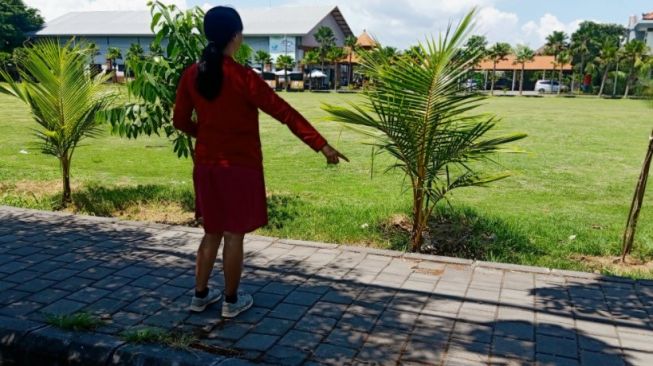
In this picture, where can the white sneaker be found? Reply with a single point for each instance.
(198, 305)
(245, 301)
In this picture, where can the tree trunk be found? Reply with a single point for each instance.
(335, 77)
(494, 74)
(605, 77)
(66, 196)
(521, 80)
(416, 237)
(560, 81)
(635, 208)
(351, 67)
(629, 81)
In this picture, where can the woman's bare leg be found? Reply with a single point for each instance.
(206, 254)
(232, 262)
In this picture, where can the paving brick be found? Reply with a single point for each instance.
(13, 267)
(302, 298)
(267, 300)
(112, 282)
(20, 308)
(284, 355)
(278, 288)
(334, 355)
(106, 306)
(135, 272)
(88, 294)
(329, 310)
(594, 358)
(48, 295)
(145, 305)
(301, 340)
(256, 342)
(316, 324)
(288, 311)
(515, 329)
(253, 315)
(513, 348)
(73, 284)
(557, 346)
(9, 296)
(63, 307)
(358, 322)
(149, 282)
(166, 318)
(273, 326)
(22, 276)
(230, 330)
(548, 360)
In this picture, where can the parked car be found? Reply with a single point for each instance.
(549, 86)
(499, 84)
(469, 85)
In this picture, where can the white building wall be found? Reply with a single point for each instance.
(309, 39)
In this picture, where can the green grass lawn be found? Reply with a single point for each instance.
(569, 194)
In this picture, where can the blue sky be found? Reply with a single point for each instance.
(400, 23)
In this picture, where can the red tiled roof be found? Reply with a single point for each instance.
(647, 16)
(540, 63)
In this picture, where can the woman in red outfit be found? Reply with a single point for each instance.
(228, 172)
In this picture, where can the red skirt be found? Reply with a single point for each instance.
(230, 198)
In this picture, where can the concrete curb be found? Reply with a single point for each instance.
(355, 249)
(24, 342)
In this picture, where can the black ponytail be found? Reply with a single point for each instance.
(221, 25)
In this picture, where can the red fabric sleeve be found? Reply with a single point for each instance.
(183, 113)
(262, 96)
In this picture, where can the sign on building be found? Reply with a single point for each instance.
(282, 45)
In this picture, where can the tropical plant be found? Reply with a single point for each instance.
(634, 52)
(334, 56)
(497, 53)
(285, 63)
(311, 57)
(351, 42)
(154, 87)
(325, 39)
(564, 58)
(262, 58)
(556, 42)
(113, 54)
(156, 50)
(415, 113)
(244, 55)
(93, 51)
(63, 99)
(523, 55)
(135, 53)
(607, 57)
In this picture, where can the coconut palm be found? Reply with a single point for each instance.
(497, 53)
(62, 97)
(93, 51)
(556, 42)
(351, 42)
(262, 58)
(580, 47)
(326, 39)
(523, 54)
(634, 51)
(564, 58)
(113, 54)
(311, 57)
(244, 54)
(285, 63)
(608, 55)
(414, 111)
(334, 56)
(135, 53)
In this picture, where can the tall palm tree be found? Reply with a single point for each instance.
(262, 58)
(564, 58)
(63, 99)
(135, 53)
(350, 43)
(634, 52)
(311, 57)
(497, 53)
(556, 42)
(607, 56)
(580, 49)
(325, 39)
(523, 55)
(93, 51)
(285, 62)
(334, 56)
(414, 111)
(113, 54)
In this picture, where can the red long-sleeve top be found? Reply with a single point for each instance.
(227, 128)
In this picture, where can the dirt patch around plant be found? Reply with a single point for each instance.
(599, 264)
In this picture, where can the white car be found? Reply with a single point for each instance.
(549, 86)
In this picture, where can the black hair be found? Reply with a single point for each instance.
(221, 25)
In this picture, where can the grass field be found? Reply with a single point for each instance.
(569, 194)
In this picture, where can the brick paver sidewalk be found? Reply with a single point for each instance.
(314, 303)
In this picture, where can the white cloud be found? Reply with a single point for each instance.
(535, 33)
(51, 9)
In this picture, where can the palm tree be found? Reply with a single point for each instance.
(523, 55)
(634, 52)
(262, 58)
(113, 54)
(156, 50)
(607, 56)
(134, 54)
(334, 56)
(580, 48)
(350, 43)
(62, 97)
(326, 39)
(556, 42)
(311, 57)
(285, 62)
(497, 53)
(93, 51)
(564, 58)
(414, 111)
(244, 54)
